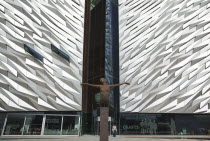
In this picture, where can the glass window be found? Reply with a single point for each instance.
(60, 53)
(33, 125)
(165, 124)
(53, 125)
(14, 125)
(33, 52)
(70, 125)
(147, 124)
(2, 119)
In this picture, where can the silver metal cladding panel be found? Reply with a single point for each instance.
(164, 54)
(26, 82)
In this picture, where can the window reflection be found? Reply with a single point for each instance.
(60, 53)
(2, 119)
(14, 124)
(163, 124)
(70, 125)
(33, 125)
(173, 127)
(53, 125)
(33, 52)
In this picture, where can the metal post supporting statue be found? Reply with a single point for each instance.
(104, 106)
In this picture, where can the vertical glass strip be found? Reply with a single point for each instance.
(112, 54)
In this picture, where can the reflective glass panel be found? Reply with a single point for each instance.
(163, 124)
(53, 125)
(70, 125)
(33, 52)
(14, 125)
(33, 125)
(60, 53)
(2, 119)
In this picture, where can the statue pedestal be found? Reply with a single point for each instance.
(104, 132)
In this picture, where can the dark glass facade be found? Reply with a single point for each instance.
(112, 56)
(164, 124)
(95, 52)
(101, 53)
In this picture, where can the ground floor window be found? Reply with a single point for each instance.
(33, 125)
(165, 124)
(53, 125)
(70, 125)
(39, 124)
(14, 124)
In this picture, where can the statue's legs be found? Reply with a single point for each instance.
(104, 132)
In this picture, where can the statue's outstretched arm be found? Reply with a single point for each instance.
(92, 85)
(115, 85)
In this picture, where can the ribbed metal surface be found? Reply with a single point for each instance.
(28, 83)
(164, 54)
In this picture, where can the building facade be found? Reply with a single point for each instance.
(41, 66)
(48, 47)
(164, 54)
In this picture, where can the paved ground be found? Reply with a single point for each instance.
(118, 138)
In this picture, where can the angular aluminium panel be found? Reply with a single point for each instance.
(165, 55)
(41, 53)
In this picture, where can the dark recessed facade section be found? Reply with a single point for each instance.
(60, 53)
(33, 53)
